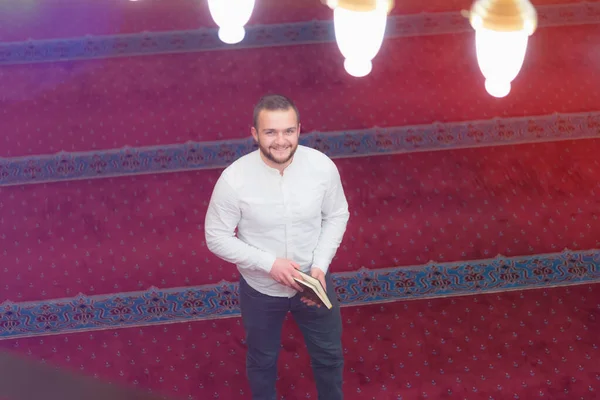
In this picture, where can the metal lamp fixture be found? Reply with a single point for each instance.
(359, 30)
(231, 16)
(502, 29)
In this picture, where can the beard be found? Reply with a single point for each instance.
(278, 157)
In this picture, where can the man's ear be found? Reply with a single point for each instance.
(254, 134)
(299, 128)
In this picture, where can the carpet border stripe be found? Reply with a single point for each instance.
(376, 141)
(165, 306)
(261, 36)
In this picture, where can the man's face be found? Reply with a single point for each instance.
(277, 135)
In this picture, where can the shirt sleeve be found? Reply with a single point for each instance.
(222, 218)
(335, 217)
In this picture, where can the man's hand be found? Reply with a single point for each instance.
(284, 271)
(320, 275)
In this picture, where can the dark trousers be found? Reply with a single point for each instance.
(263, 318)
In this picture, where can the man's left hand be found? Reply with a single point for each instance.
(320, 275)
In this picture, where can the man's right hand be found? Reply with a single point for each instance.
(284, 271)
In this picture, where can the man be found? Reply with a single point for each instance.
(288, 205)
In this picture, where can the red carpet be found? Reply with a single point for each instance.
(530, 190)
(517, 345)
(131, 233)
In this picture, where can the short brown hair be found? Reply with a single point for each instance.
(274, 102)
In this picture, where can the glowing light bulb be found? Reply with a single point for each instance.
(500, 56)
(359, 35)
(231, 16)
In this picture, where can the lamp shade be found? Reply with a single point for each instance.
(502, 30)
(231, 16)
(359, 31)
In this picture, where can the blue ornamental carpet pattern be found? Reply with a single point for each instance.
(363, 287)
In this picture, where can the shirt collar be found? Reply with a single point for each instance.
(275, 171)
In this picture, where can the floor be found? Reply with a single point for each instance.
(526, 344)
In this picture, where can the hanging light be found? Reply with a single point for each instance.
(231, 16)
(502, 30)
(359, 30)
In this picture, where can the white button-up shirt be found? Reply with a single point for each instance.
(300, 215)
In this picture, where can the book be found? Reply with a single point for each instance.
(313, 290)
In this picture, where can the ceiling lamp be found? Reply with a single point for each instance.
(359, 31)
(231, 16)
(502, 29)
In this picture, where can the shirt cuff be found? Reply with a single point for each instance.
(323, 267)
(266, 262)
